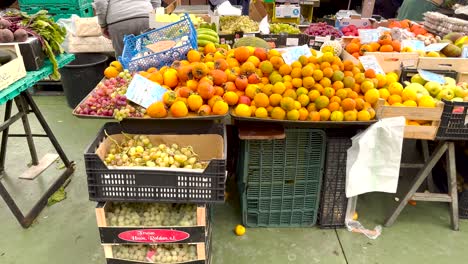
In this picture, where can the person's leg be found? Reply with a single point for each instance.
(245, 7)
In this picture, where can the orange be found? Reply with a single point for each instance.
(384, 93)
(243, 110)
(194, 102)
(241, 54)
(111, 72)
(278, 113)
(209, 48)
(309, 82)
(327, 72)
(322, 102)
(170, 78)
(261, 112)
(314, 116)
(352, 48)
(303, 99)
(369, 73)
(360, 103)
(342, 93)
(395, 88)
(335, 99)
(334, 106)
(338, 85)
(324, 114)
(179, 109)
(350, 115)
(303, 114)
(410, 103)
(363, 115)
(394, 99)
(278, 88)
(231, 98)
(213, 100)
(318, 75)
(297, 82)
(336, 116)
(307, 71)
(372, 96)
(285, 69)
(220, 108)
(386, 48)
(157, 110)
(348, 104)
(193, 56)
(275, 99)
(296, 73)
(261, 100)
(313, 95)
(119, 67)
(329, 92)
(366, 86)
(290, 93)
(287, 103)
(156, 77)
(325, 82)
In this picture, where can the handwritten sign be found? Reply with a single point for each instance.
(414, 44)
(370, 62)
(144, 92)
(153, 236)
(431, 77)
(369, 35)
(435, 47)
(292, 54)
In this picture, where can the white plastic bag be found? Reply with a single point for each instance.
(264, 26)
(86, 26)
(373, 163)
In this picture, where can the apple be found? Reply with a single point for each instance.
(460, 91)
(418, 89)
(450, 81)
(433, 88)
(418, 79)
(244, 100)
(446, 94)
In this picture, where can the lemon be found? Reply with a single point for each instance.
(239, 230)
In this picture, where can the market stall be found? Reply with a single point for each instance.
(304, 118)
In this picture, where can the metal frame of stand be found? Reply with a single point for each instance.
(26, 105)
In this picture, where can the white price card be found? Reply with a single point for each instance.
(144, 92)
(370, 62)
(413, 44)
(431, 77)
(369, 35)
(292, 54)
(292, 42)
(435, 47)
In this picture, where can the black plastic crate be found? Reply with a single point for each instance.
(280, 180)
(407, 73)
(138, 185)
(333, 203)
(230, 39)
(33, 56)
(463, 205)
(454, 121)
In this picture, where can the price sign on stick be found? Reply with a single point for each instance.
(369, 35)
(370, 62)
(144, 92)
(435, 47)
(414, 44)
(431, 77)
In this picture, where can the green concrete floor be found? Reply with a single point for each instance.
(67, 233)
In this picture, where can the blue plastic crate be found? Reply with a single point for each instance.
(136, 57)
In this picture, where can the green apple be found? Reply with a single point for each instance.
(418, 89)
(450, 81)
(460, 92)
(433, 88)
(418, 79)
(446, 94)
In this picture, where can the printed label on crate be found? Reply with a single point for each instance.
(154, 236)
(435, 47)
(431, 77)
(292, 41)
(414, 44)
(369, 35)
(370, 62)
(292, 54)
(144, 92)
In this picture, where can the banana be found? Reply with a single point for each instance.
(207, 32)
(209, 38)
(203, 43)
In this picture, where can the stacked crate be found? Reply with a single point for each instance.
(58, 8)
(157, 215)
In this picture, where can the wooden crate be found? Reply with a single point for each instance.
(203, 256)
(459, 65)
(413, 113)
(13, 70)
(389, 61)
(152, 234)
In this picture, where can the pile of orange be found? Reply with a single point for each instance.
(113, 70)
(384, 44)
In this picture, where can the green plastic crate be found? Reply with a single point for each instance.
(62, 12)
(69, 3)
(280, 180)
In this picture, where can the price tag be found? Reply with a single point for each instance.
(413, 44)
(292, 41)
(465, 52)
(435, 47)
(292, 54)
(369, 35)
(431, 77)
(370, 62)
(144, 92)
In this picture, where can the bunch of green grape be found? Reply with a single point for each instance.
(164, 253)
(232, 24)
(278, 28)
(137, 150)
(151, 214)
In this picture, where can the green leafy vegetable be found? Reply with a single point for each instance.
(42, 26)
(58, 196)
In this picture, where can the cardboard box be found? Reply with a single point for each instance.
(13, 70)
(353, 20)
(287, 11)
(151, 234)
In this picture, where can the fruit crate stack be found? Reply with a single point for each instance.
(150, 212)
(280, 179)
(58, 8)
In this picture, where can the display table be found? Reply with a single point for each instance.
(18, 92)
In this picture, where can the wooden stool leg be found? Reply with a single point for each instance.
(452, 185)
(418, 180)
(430, 181)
